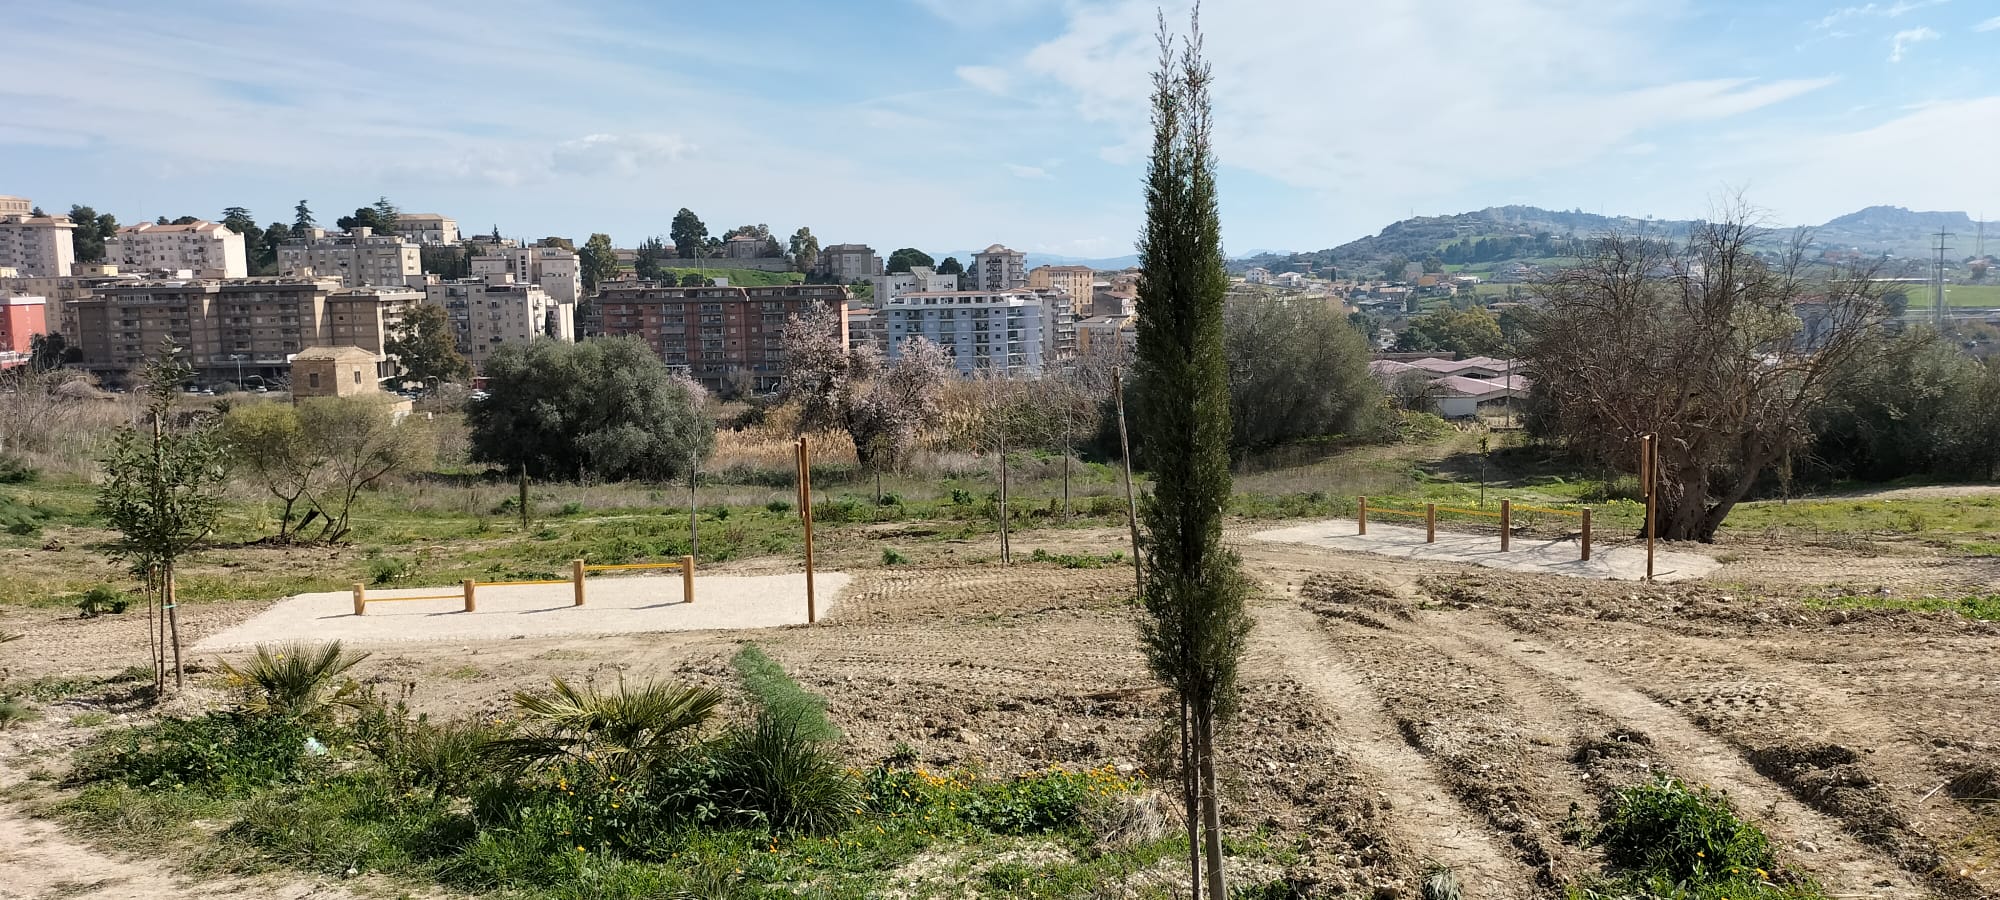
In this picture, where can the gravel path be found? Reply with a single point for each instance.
(615, 605)
(1622, 561)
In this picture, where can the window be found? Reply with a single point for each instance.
(312, 380)
(357, 376)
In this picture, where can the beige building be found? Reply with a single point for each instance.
(204, 249)
(64, 290)
(1114, 336)
(1076, 280)
(849, 263)
(495, 310)
(334, 372)
(227, 329)
(553, 269)
(997, 268)
(35, 245)
(427, 228)
(360, 258)
(367, 317)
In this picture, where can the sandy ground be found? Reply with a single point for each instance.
(1621, 562)
(613, 606)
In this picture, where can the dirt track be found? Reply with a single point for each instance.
(1396, 711)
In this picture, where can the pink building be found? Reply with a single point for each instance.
(21, 318)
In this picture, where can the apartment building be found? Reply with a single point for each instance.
(203, 249)
(62, 290)
(849, 263)
(493, 310)
(712, 331)
(919, 278)
(984, 332)
(997, 268)
(359, 258)
(1077, 280)
(35, 245)
(1058, 326)
(427, 228)
(366, 318)
(21, 318)
(557, 271)
(1115, 337)
(227, 329)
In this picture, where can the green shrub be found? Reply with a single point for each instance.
(777, 694)
(778, 506)
(1665, 826)
(890, 557)
(845, 509)
(624, 733)
(571, 508)
(14, 710)
(890, 499)
(775, 774)
(100, 600)
(222, 753)
(385, 569)
(15, 470)
(294, 681)
(416, 753)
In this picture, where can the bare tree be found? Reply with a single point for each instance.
(884, 407)
(1719, 348)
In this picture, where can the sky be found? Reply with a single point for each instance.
(952, 124)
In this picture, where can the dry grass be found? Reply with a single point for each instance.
(59, 424)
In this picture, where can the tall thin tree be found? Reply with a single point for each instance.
(1194, 591)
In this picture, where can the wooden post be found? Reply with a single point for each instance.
(806, 509)
(1585, 540)
(576, 579)
(1506, 523)
(687, 579)
(524, 498)
(470, 604)
(1430, 523)
(1364, 515)
(1649, 458)
(360, 599)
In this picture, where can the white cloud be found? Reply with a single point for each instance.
(1904, 40)
(1791, 171)
(623, 155)
(1318, 99)
(991, 79)
(1029, 172)
(1988, 25)
(1876, 10)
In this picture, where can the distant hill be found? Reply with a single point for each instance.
(1504, 234)
(1106, 263)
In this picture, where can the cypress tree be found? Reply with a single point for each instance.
(1194, 591)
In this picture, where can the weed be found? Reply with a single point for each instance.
(890, 557)
(1984, 607)
(778, 694)
(90, 719)
(293, 681)
(778, 506)
(385, 569)
(777, 773)
(221, 754)
(100, 600)
(1675, 841)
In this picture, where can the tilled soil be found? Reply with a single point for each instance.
(1395, 713)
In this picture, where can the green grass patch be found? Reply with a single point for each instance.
(743, 277)
(780, 696)
(1669, 840)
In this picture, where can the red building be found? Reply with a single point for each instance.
(712, 331)
(21, 318)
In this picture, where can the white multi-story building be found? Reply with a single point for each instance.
(427, 228)
(984, 332)
(494, 310)
(555, 270)
(359, 258)
(32, 245)
(849, 263)
(997, 268)
(203, 249)
(919, 278)
(1058, 327)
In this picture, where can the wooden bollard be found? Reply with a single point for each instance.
(470, 604)
(360, 599)
(1430, 523)
(1363, 517)
(687, 579)
(1506, 523)
(576, 580)
(1585, 539)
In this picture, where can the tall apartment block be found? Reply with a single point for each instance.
(31, 245)
(495, 310)
(230, 329)
(203, 249)
(712, 331)
(360, 258)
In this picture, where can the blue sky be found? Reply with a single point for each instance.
(950, 124)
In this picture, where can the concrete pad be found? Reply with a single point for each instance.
(613, 605)
(1624, 561)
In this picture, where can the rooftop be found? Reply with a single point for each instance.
(355, 354)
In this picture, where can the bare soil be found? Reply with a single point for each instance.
(1396, 712)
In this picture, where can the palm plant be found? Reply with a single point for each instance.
(622, 732)
(293, 681)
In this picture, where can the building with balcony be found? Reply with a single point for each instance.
(202, 249)
(1077, 280)
(710, 332)
(227, 329)
(997, 268)
(984, 332)
(428, 229)
(39, 246)
(359, 258)
(557, 271)
(919, 278)
(849, 263)
(495, 310)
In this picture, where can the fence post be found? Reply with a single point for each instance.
(687, 579)
(1430, 523)
(1585, 541)
(1506, 523)
(1363, 516)
(470, 605)
(360, 599)
(576, 578)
